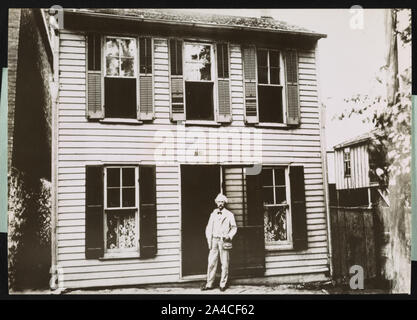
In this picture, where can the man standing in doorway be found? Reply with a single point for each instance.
(220, 231)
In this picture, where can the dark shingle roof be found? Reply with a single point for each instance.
(176, 16)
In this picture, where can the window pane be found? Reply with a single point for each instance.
(127, 68)
(263, 75)
(268, 195)
(112, 48)
(128, 196)
(112, 66)
(275, 224)
(262, 58)
(274, 76)
(113, 177)
(197, 62)
(121, 230)
(270, 104)
(199, 99)
(279, 177)
(280, 195)
(274, 58)
(128, 48)
(128, 177)
(120, 97)
(266, 177)
(113, 198)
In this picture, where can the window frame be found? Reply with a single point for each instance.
(283, 84)
(213, 75)
(286, 244)
(347, 163)
(103, 76)
(135, 57)
(121, 252)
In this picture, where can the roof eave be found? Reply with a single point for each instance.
(197, 24)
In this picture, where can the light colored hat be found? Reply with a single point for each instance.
(221, 197)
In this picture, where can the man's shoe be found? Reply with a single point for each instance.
(222, 289)
(204, 287)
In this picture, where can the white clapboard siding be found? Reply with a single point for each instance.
(81, 142)
(359, 168)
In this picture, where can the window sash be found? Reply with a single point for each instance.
(120, 188)
(120, 57)
(281, 244)
(269, 67)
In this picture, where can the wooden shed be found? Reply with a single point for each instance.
(158, 112)
(355, 170)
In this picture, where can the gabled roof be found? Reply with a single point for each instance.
(200, 18)
(358, 139)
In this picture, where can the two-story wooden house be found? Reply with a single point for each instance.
(158, 112)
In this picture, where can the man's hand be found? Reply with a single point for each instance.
(227, 239)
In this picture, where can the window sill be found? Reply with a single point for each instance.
(120, 121)
(120, 255)
(278, 247)
(208, 123)
(272, 125)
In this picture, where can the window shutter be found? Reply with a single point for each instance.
(146, 110)
(255, 205)
(249, 71)
(293, 102)
(95, 109)
(177, 83)
(147, 211)
(223, 83)
(298, 208)
(94, 235)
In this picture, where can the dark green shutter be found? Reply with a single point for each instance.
(255, 204)
(94, 234)
(147, 211)
(249, 72)
(223, 83)
(146, 109)
(298, 207)
(293, 100)
(93, 86)
(177, 80)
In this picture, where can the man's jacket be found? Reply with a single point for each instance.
(228, 225)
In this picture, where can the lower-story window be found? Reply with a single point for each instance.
(276, 207)
(121, 209)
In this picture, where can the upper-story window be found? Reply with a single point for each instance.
(270, 86)
(120, 78)
(198, 81)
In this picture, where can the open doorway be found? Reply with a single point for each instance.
(200, 184)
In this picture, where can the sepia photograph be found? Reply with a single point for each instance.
(209, 151)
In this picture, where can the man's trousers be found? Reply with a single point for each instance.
(213, 258)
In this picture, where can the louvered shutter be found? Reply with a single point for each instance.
(249, 71)
(147, 211)
(223, 83)
(293, 102)
(177, 83)
(95, 109)
(146, 108)
(94, 210)
(298, 207)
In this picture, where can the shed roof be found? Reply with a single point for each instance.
(362, 138)
(201, 18)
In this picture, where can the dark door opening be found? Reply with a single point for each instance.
(200, 185)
